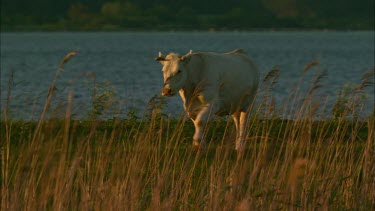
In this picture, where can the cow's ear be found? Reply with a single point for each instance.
(185, 59)
(160, 57)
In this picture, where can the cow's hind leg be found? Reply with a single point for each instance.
(236, 119)
(240, 140)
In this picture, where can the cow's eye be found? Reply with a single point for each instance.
(179, 71)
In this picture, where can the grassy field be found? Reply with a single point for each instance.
(301, 164)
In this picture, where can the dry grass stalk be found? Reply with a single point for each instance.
(297, 164)
(311, 64)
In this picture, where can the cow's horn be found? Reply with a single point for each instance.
(184, 57)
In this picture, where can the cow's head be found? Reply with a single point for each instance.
(174, 71)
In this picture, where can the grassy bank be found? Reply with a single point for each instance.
(302, 163)
(137, 165)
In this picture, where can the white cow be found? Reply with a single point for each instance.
(212, 83)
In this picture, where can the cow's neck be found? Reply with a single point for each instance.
(186, 94)
(189, 91)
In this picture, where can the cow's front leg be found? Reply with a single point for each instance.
(200, 122)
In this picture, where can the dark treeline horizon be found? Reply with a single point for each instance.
(179, 14)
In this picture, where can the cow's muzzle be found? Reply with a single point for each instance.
(166, 92)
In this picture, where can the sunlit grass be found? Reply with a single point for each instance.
(304, 163)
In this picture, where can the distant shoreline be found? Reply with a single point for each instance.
(191, 30)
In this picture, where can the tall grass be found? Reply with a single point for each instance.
(301, 164)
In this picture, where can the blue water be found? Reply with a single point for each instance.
(126, 61)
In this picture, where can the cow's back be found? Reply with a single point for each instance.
(236, 77)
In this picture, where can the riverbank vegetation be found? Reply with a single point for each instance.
(148, 162)
(146, 15)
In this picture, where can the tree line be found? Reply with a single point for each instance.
(185, 15)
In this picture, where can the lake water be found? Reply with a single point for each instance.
(126, 61)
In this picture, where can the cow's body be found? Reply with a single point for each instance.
(212, 83)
